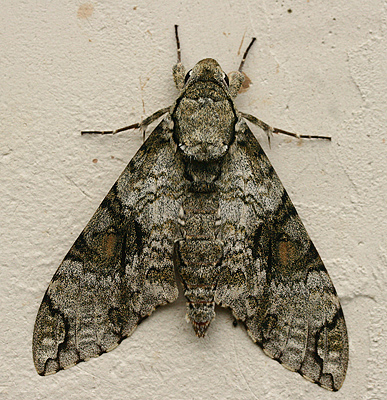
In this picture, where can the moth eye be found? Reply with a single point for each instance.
(189, 73)
(225, 77)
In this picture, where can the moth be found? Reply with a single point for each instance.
(199, 202)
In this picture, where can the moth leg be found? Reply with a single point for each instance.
(270, 130)
(142, 125)
(125, 128)
(147, 121)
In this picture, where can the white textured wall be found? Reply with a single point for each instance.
(67, 66)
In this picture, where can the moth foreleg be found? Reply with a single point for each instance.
(142, 125)
(270, 130)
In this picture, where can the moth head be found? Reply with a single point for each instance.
(207, 70)
(204, 114)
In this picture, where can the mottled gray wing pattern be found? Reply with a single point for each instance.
(272, 276)
(121, 266)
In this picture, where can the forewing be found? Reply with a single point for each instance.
(272, 276)
(120, 268)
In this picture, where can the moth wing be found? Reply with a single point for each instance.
(119, 269)
(272, 276)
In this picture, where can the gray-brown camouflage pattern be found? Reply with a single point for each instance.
(200, 198)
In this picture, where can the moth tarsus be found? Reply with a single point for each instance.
(199, 201)
(126, 128)
(298, 136)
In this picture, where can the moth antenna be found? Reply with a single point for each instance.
(178, 44)
(246, 52)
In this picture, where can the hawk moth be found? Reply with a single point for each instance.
(200, 201)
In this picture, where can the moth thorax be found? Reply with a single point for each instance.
(204, 127)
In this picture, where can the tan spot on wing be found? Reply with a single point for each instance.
(110, 244)
(287, 253)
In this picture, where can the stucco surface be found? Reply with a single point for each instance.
(317, 68)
